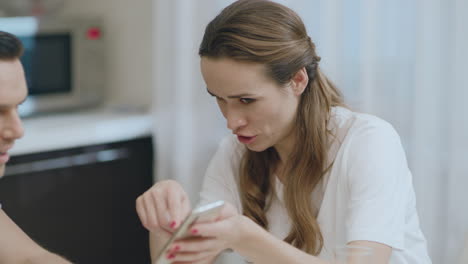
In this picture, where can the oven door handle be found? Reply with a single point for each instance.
(87, 158)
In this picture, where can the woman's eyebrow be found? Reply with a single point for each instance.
(232, 96)
(212, 94)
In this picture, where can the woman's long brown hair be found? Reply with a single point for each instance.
(273, 35)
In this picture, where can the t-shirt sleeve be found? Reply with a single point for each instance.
(379, 185)
(220, 182)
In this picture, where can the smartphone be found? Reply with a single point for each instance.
(204, 213)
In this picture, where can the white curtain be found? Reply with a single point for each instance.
(405, 61)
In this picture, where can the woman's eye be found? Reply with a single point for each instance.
(247, 100)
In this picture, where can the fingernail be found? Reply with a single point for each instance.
(194, 231)
(170, 256)
(173, 224)
(174, 249)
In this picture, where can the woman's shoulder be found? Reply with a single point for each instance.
(367, 139)
(230, 143)
(357, 134)
(351, 123)
(230, 149)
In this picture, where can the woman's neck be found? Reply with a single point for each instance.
(285, 148)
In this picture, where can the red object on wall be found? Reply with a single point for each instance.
(93, 33)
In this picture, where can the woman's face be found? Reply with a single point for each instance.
(258, 110)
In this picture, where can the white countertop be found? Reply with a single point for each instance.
(61, 131)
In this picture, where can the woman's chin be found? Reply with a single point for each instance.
(256, 148)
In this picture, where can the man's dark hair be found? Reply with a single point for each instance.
(10, 46)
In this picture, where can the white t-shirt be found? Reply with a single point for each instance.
(367, 194)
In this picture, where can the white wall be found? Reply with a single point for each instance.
(129, 32)
(188, 123)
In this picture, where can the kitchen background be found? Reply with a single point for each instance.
(404, 61)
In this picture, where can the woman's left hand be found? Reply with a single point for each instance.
(209, 240)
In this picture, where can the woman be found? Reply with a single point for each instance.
(303, 174)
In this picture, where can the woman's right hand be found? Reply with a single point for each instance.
(163, 207)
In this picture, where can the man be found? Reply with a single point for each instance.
(15, 245)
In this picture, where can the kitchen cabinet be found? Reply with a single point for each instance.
(80, 202)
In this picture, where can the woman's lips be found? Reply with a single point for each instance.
(246, 140)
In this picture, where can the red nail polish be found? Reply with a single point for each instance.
(173, 224)
(171, 256)
(176, 248)
(194, 231)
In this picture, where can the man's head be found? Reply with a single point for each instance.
(13, 91)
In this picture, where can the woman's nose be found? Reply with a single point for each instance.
(235, 121)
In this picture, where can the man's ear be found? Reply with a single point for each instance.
(299, 81)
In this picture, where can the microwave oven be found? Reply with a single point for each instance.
(64, 62)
